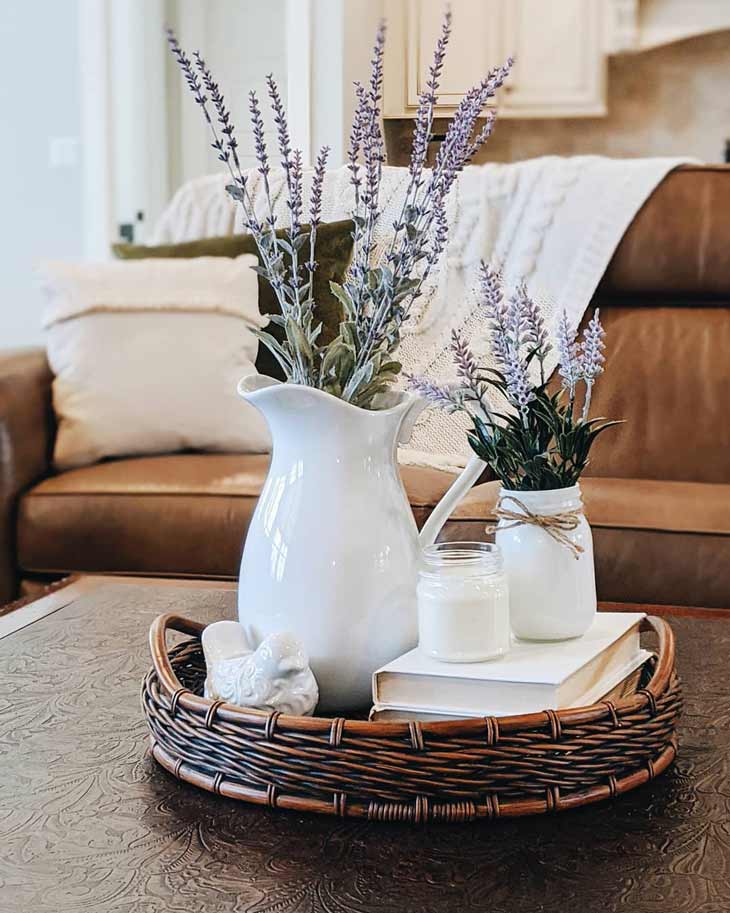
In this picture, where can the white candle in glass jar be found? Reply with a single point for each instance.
(463, 602)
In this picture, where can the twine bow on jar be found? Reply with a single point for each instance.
(555, 525)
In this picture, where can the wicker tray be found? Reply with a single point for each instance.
(456, 770)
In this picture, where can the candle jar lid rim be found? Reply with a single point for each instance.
(484, 557)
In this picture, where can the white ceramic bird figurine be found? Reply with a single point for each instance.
(274, 676)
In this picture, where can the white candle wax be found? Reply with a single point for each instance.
(463, 603)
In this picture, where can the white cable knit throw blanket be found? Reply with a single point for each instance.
(555, 222)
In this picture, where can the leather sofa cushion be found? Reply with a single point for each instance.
(186, 515)
(182, 515)
(668, 376)
(647, 504)
(676, 245)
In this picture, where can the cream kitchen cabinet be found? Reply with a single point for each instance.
(559, 46)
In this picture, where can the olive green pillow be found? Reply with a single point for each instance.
(333, 251)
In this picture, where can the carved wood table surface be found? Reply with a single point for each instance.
(89, 822)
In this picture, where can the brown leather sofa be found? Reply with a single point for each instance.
(658, 494)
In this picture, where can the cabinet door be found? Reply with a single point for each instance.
(560, 59)
(475, 46)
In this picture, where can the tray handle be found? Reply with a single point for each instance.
(665, 654)
(158, 646)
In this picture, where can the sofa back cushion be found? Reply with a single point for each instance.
(668, 376)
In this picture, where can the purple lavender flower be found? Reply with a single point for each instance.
(466, 364)
(491, 293)
(280, 120)
(356, 134)
(483, 135)
(440, 234)
(530, 317)
(372, 144)
(591, 358)
(222, 147)
(259, 141)
(424, 118)
(568, 366)
(378, 295)
(467, 370)
(294, 203)
(491, 297)
(191, 77)
(440, 396)
(517, 320)
(519, 388)
(224, 117)
(315, 205)
(458, 148)
(536, 334)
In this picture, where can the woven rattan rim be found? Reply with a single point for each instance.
(302, 763)
(233, 714)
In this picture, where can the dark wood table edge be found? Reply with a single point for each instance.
(47, 590)
(26, 611)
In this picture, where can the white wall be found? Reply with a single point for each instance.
(143, 134)
(41, 206)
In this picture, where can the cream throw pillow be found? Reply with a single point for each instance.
(147, 356)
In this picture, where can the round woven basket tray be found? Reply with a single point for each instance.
(453, 771)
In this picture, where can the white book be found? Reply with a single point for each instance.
(530, 678)
(614, 691)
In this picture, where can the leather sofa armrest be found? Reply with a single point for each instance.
(26, 440)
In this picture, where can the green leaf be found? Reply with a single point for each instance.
(348, 332)
(276, 349)
(338, 361)
(262, 271)
(297, 340)
(343, 296)
(375, 279)
(363, 375)
(236, 192)
(405, 288)
(314, 333)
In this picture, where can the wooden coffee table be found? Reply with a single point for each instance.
(88, 821)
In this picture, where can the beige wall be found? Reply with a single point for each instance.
(673, 100)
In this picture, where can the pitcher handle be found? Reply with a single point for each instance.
(446, 506)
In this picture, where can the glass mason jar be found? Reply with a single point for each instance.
(463, 602)
(552, 584)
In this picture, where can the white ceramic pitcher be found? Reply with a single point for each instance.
(332, 549)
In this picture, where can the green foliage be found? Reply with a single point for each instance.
(543, 447)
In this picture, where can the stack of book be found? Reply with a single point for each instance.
(603, 664)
